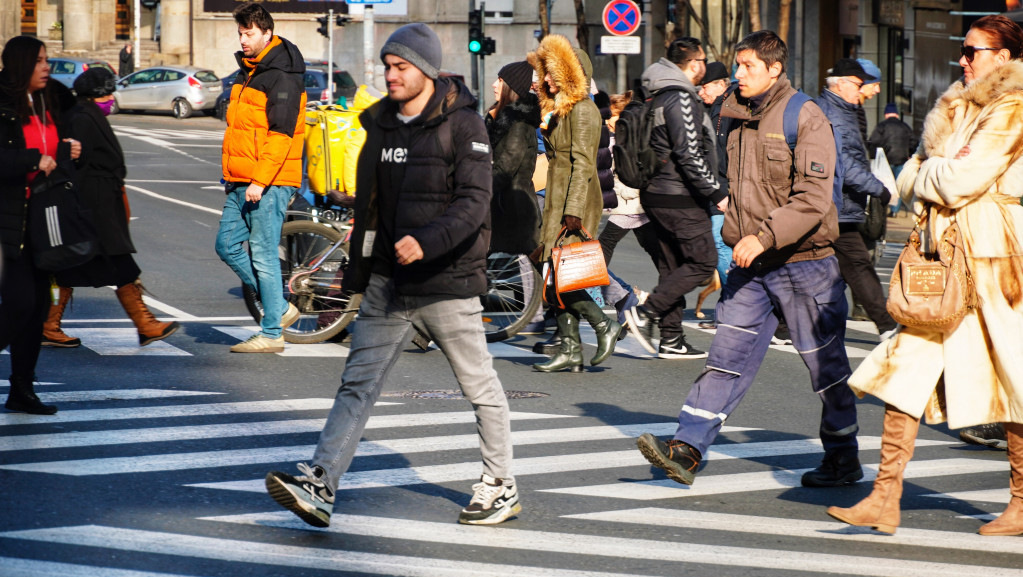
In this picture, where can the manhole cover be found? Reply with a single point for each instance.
(449, 394)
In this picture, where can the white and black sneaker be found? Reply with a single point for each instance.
(641, 324)
(304, 495)
(493, 501)
(677, 348)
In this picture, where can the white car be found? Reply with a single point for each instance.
(179, 89)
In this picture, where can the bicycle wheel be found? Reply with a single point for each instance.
(323, 308)
(513, 295)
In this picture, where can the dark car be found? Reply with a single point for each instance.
(315, 86)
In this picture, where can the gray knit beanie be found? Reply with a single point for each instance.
(418, 44)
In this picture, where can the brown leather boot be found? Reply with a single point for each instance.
(1010, 522)
(880, 509)
(53, 336)
(149, 328)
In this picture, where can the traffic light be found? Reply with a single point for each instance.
(341, 20)
(489, 46)
(475, 31)
(323, 29)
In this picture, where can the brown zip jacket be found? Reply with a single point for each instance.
(783, 198)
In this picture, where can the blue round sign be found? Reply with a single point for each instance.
(621, 17)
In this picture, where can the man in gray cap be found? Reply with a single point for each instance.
(419, 248)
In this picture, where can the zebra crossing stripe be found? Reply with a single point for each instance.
(803, 528)
(290, 556)
(233, 458)
(76, 416)
(124, 341)
(624, 548)
(1001, 496)
(119, 395)
(16, 567)
(766, 480)
(545, 465)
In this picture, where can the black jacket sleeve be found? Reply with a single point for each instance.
(683, 117)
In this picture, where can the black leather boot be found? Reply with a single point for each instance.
(607, 329)
(22, 398)
(570, 355)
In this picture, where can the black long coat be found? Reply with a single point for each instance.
(514, 211)
(101, 174)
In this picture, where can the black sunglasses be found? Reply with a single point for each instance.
(970, 52)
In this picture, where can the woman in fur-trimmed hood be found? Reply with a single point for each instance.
(969, 168)
(571, 130)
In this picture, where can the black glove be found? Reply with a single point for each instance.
(886, 196)
(573, 223)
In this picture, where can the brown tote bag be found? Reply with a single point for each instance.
(932, 290)
(577, 266)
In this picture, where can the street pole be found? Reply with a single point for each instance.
(483, 76)
(623, 63)
(330, 56)
(368, 38)
(137, 48)
(648, 35)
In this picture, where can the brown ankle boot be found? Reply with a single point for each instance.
(1010, 522)
(53, 336)
(880, 509)
(149, 328)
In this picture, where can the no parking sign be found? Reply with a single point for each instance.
(621, 17)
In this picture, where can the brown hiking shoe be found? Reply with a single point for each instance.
(53, 335)
(678, 459)
(149, 329)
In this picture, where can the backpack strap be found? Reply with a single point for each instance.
(790, 120)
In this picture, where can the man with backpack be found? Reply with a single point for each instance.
(781, 222)
(675, 197)
(840, 102)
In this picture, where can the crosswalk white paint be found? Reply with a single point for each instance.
(559, 464)
(243, 407)
(808, 529)
(172, 133)
(119, 395)
(314, 350)
(620, 547)
(290, 556)
(15, 567)
(231, 458)
(123, 341)
(766, 480)
(6, 383)
(985, 496)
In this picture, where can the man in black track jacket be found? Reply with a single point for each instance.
(419, 247)
(677, 196)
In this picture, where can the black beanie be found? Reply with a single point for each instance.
(518, 76)
(95, 82)
(418, 44)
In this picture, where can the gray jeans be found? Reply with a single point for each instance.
(383, 329)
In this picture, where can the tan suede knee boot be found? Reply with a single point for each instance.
(1010, 522)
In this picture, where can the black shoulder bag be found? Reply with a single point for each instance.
(61, 230)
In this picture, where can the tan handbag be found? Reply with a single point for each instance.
(540, 172)
(932, 290)
(577, 266)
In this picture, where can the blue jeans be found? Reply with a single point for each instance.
(717, 221)
(811, 297)
(384, 328)
(260, 224)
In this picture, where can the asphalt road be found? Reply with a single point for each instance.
(154, 464)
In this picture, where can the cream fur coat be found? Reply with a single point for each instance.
(978, 364)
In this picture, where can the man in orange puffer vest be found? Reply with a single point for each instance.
(262, 167)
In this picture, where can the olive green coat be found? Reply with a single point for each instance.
(572, 138)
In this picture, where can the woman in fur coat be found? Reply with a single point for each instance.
(968, 168)
(571, 129)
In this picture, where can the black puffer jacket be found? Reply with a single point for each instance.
(439, 194)
(16, 162)
(896, 138)
(514, 211)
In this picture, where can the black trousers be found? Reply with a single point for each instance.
(24, 304)
(687, 257)
(613, 234)
(858, 272)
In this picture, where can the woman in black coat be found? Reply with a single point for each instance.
(101, 190)
(32, 141)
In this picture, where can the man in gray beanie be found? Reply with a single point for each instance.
(419, 252)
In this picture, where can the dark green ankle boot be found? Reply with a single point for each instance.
(606, 328)
(570, 356)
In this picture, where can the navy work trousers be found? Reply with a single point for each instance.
(811, 298)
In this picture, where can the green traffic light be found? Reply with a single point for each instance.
(474, 46)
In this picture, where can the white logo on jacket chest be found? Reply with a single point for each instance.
(394, 155)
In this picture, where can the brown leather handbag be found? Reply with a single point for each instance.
(932, 290)
(576, 266)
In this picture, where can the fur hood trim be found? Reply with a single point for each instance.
(568, 69)
(998, 84)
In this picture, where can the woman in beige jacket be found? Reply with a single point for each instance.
(969, 167)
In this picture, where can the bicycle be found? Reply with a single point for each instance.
(513, 295)
(313, 252)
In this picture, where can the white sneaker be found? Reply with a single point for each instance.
(492, 502)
